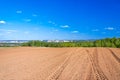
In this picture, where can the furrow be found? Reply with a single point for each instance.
(96, 68)
(116, 57)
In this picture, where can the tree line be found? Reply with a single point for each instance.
(107, 42)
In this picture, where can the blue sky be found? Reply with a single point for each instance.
(59, 19)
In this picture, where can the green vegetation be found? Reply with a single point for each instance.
(108, 42)
(9, 44)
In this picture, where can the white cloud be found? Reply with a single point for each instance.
(118, 31)
(2, 34)
(65, 26)
(26, 32)
(55, 30)
(34, 15)
(12, 30)
(19, 12)
(95, 30)
(109, 28)
(75, 32)
(27, 20)
(1, 29)
(7, 31)
(36, 28)
(103, 32)
(51, 22)
(2, 22)
(51, 32)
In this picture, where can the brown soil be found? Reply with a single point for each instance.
(25, 63)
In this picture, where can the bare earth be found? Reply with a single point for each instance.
(25, 63)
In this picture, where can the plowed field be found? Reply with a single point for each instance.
(25, 63)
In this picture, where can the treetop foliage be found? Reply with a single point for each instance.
(108, 42)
